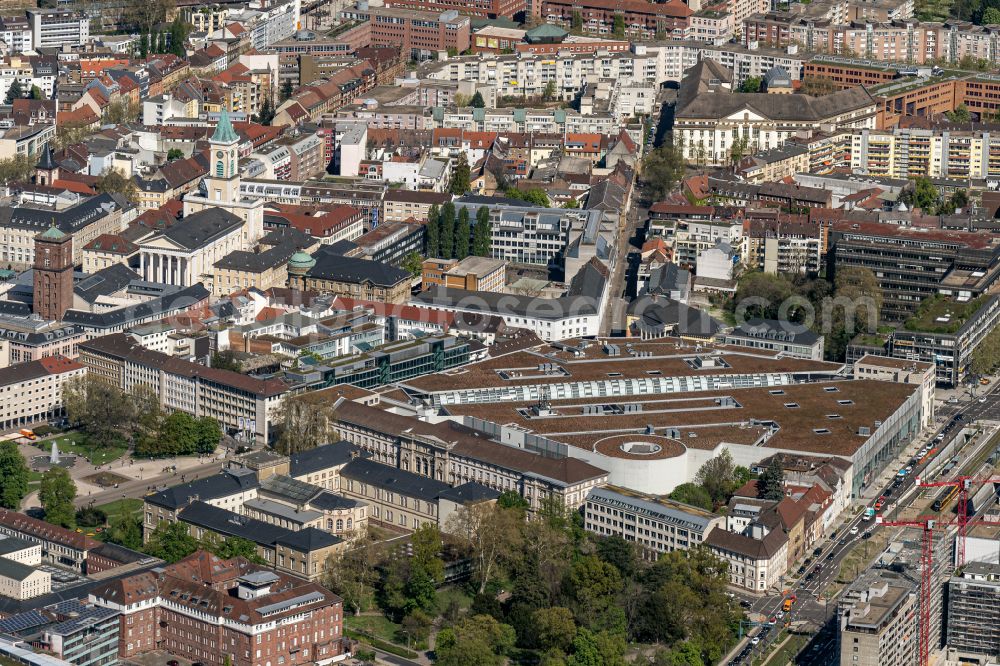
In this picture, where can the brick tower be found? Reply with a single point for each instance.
(53, 272)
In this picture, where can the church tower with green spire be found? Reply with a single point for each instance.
(221, 186)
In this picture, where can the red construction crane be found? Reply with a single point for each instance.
(927, 524)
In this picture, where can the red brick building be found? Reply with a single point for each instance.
(53, 272)
(642, 19)
(480, 8)
(206, 609)
(418, 34)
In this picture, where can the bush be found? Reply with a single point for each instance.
(91, 517)
(43, 430)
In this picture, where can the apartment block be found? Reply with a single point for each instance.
(58, 28)
(911, 151)
(31, 392)
(656, 525)
(243, 405)
(471, 274)
(973, 613)
(913, 264)
(643, 20)
(418, 34)
(478, 8)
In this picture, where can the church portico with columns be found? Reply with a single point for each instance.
(184, 254)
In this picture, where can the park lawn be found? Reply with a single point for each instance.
(77, 444)
(378, 626)
(34, 480)
(123, 506)
(457, 593)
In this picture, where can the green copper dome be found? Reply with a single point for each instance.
(301, 260)
(224, 132)
(53, 233)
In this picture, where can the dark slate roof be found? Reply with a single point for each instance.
(341, 247)
(322, 457)
(67, 220)
(397, 480)
(158, 308)
(105, 282)
(230, 524)
(227, 482)
(330, 266)
(14, 570)
(201, 228)
(470, 492)
(47, 162)
(660, 314)
(697, 100)
(772, 329)
(328, 501)
(13, 544)
(308, 540)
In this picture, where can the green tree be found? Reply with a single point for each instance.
(463, 233)
(477, 101)
(15, 169)
(663, 169)
(447, 231)
(286, 89)
(225, 360)
(752, 84)
(555, 628)
(576, 22)
(718, 477)
(482, 233)
(549, 93)
(37, 93)
(56, 495)
(410, 582)
(178, 434)
(693, 494)
(144, 45)
(432, 233)
(90, 517)
(208, 434)
(354, 574)
(925, 195)
(126, 530)
(597, 649)
(618, 27)
(115, 181)
(417, 626)
(104, 413)
(738, 151)
(461, 176)
(178, 35)
(491, 534)
(171, 542)
(771, 484)
(991, 16)
(572, 203)
(961, 113)
(511, 499)
(479, 640)
(413, 264)
(238, 547)
(592, 586)
(266, 113)
(13, 476)
(174, 154)
(534, 195)
(15, 91)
